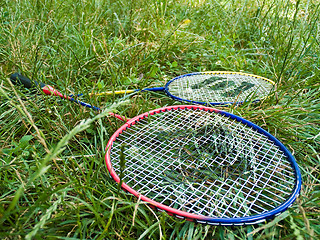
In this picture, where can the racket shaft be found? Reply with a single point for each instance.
(49, 90)
(122, 118)
(108, 93)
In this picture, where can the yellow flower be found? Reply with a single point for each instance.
(186, 21)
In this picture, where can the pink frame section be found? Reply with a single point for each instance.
(129, 123)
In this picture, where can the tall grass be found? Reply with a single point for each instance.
(54, 183)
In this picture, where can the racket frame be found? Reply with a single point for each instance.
(200, 218)
(166, 88)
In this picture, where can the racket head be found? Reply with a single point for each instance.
(162, 159)
(218, 88)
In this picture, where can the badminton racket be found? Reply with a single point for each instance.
(19, 79)
(204, 165)
(212, 88)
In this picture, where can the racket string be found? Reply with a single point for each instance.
(264, 185)
(218, 88)
(257, 193)
(225, 183)
(164, 177)
(230, 187)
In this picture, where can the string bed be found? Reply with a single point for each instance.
(204, 163)
(219, 87)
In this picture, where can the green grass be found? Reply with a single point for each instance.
(53, 180)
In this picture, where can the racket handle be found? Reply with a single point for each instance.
(18, 79)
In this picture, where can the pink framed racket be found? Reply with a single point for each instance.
(204, 165)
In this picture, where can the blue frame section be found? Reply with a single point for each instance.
(284, 206)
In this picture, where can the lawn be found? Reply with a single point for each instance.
(53, 180)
